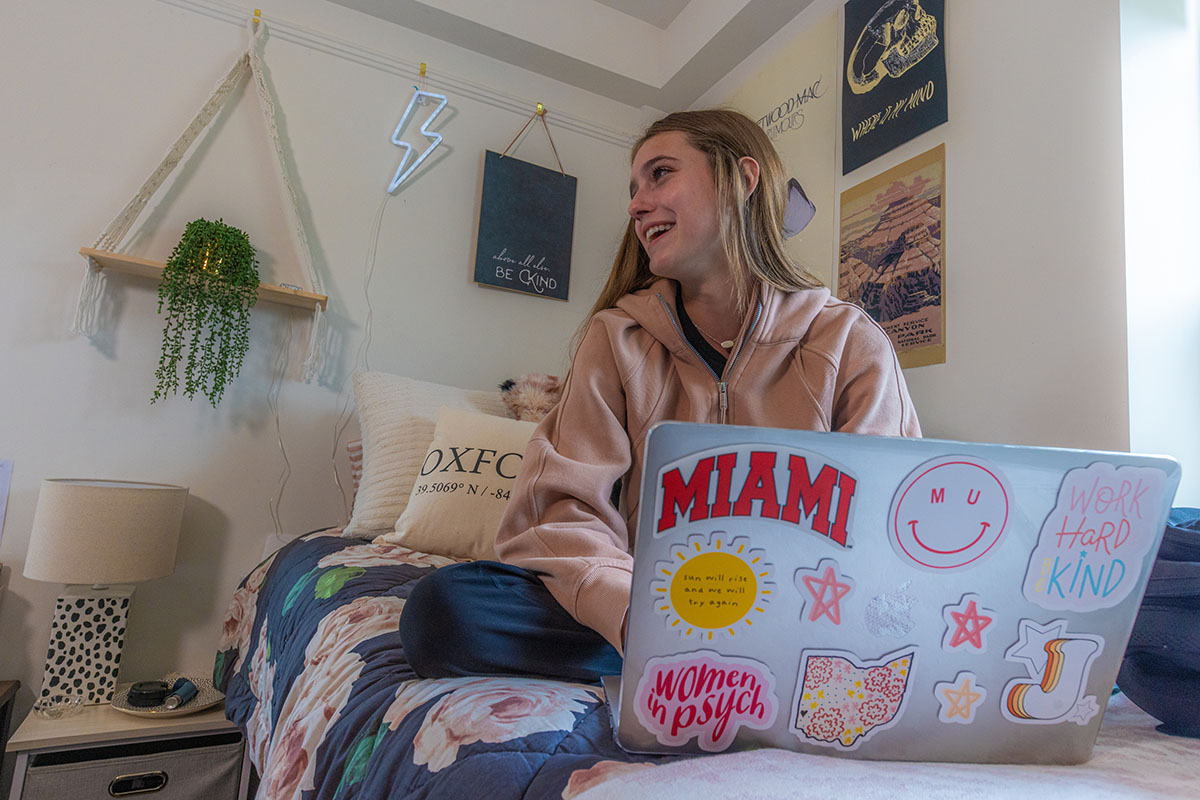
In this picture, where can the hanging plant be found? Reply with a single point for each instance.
(209, 285)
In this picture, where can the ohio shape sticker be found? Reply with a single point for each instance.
(841, 702)
(704, 694)
(1091, 546)
(949, 513)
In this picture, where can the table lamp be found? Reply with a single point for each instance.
(101, 537)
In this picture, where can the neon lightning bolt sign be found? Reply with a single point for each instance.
(434, 138)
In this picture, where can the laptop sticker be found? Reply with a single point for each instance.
(958, 699)
(1058, 664)
(704, 694)
(713, 586)
(949, 513)
(1092, 546)
(842, 701)
(822, 590)
(967, 625)
(795, 487)
(890, 613)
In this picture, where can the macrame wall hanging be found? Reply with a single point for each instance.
(106, 250)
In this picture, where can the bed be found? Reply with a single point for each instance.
(315, 676)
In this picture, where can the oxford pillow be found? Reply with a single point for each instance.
(463, 485)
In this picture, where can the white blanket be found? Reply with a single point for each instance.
(1131, 760)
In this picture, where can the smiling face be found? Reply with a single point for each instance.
(673, 203)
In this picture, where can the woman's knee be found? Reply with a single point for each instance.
(435, 617)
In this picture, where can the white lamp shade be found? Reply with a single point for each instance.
(104, 532)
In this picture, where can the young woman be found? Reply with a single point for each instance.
(704, 318)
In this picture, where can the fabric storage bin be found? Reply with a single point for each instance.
(192, 768)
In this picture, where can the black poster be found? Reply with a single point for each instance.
(526, 222)
(895, 75)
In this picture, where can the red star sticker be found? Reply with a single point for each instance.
(969, 627)
(827, 584)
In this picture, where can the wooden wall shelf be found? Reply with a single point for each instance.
(132, 265)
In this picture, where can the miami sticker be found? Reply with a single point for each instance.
(949, 513)
(713, 586)
(706, 696)
(1058, 664)
(842, 701)
(1092, 546)
(749, 481)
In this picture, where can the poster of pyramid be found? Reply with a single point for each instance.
(891, 260)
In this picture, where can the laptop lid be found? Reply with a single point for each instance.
(882, 598)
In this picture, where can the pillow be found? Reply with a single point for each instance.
(464, 485)
(397, 416)
(354, 450)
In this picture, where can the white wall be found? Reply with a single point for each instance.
(1161, 107)
(1034, 237)
(93, 95)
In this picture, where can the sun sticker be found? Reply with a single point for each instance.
(713, 586)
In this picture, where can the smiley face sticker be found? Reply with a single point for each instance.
(949, 513)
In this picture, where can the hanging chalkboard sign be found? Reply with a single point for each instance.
(526, 222)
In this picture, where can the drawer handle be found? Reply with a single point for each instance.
(141, 783)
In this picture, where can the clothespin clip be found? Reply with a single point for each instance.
(257, 15)
(541, 110)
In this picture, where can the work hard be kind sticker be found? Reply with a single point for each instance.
(1091, 547)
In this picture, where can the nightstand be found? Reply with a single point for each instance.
(8, 694)
(101, 753)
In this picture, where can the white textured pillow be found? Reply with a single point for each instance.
(463, 487)
(354, 450)
(397, 416)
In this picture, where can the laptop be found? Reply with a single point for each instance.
(882, 598)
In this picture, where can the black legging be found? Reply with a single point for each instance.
(488, 618)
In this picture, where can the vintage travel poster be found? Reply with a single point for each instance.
(794, 99)
(894, 63)
(892, 262)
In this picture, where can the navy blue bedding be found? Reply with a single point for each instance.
(314, 673)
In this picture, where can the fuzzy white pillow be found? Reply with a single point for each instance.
(463, 486)
(354, 451)
(397, 416)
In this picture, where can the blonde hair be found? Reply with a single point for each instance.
(751, 226)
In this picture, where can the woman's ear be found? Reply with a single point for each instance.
(749, 168)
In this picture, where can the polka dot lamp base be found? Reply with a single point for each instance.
(85, 643)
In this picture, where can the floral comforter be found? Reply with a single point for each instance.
(313, 671)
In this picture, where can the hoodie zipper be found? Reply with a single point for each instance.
(722, 386)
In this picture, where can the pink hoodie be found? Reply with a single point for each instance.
(802, 360)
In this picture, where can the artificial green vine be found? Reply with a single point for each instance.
(209, 285)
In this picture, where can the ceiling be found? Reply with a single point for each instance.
(658, 53)
(659, 13)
